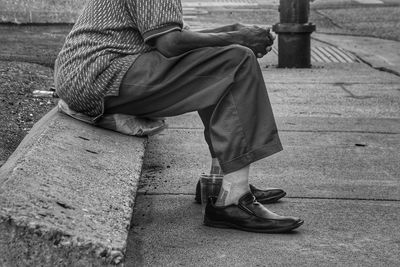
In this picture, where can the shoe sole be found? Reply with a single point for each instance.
(262, 201)
(221, 224)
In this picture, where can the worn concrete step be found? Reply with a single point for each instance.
(67, 194)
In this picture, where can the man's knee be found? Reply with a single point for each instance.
(243, 58)
(247, 68)
(241, 53)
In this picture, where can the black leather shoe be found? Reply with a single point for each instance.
(269, 195)
(249, 215)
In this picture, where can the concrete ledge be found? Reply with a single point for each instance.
(67, 195)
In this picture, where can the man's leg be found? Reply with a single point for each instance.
(227, 81)
(205, 115)
(242, 129)
(266, 196)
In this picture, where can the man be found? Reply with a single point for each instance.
(134, 57)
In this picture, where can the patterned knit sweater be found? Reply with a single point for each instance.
(104, 43)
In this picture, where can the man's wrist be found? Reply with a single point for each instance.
(232, 37)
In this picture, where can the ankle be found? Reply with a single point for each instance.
(234, 186)
(230, 194)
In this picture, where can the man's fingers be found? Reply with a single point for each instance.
(271, 37)
(267, 50)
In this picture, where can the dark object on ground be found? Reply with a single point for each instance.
(249, 215)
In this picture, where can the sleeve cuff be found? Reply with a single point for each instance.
(149, 35)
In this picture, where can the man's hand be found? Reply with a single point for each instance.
(259, 40)
(174, 43)
(245, 35)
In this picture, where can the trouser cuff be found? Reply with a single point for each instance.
(251, 156)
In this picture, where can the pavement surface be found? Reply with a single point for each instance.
(340, 127)
(339, 122)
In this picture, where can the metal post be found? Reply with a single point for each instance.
(294, 30)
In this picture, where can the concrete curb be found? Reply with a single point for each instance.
(67, 195)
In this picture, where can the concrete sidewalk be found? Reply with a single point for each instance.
(340, 127)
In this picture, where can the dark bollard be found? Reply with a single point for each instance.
(294, 34)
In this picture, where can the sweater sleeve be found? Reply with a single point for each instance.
(156, 17)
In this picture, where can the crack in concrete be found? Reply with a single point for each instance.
(322, 14)
(346, 198)
(146, 193)
(330, 83)
(384, 69)
(333, 131)
(352, 95)
(199, 129)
